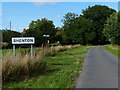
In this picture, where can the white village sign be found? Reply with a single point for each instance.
(23, 40)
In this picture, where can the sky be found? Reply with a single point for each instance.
(22, 13)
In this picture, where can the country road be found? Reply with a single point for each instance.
(100, 70)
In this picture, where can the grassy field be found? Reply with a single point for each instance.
(64, 68)
(4, 51)
(115, 50)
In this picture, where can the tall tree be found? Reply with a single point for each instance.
(83, 33)
(69, 26)
(98, 15)
(60, 35)
(112, 28)
(39, 28)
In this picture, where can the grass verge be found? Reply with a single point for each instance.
(114, 49)
(23, 66)
(64, 67)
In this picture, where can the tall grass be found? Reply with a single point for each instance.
(114, 46)
(23, 66)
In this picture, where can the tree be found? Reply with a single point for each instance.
(98, 15)
(83, 33)
(112, 28)
(69, 26)
(77, 29)
(7, 36)
(60, 35)
(39, 28)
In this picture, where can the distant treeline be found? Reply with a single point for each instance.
(96, 25)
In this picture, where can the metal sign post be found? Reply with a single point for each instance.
(46, 36)
(31, 51)
(23, 40)
(14, 53)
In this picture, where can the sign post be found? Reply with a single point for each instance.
(46, 36)
(14, 53)
(23, 40)
(31, 51)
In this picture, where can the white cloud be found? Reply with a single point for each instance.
(38, 4)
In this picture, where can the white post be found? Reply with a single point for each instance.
(31, 51)
(14, 53)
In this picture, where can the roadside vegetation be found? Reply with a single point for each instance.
(22, 66)
(114, 49)
(62, 70)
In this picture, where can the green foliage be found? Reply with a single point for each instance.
(77, 29)
(7, 36)
(39, 28)
(83, 34)
(69, 26)
(98, 15)
(54, 44)
(60, 35)
(87, 28)
(112, 28)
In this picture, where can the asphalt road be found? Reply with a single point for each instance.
(100, 70)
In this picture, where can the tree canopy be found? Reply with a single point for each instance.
(98, 15)
(69, 26)
(39, 28)
(87, 28)
(112, 28)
